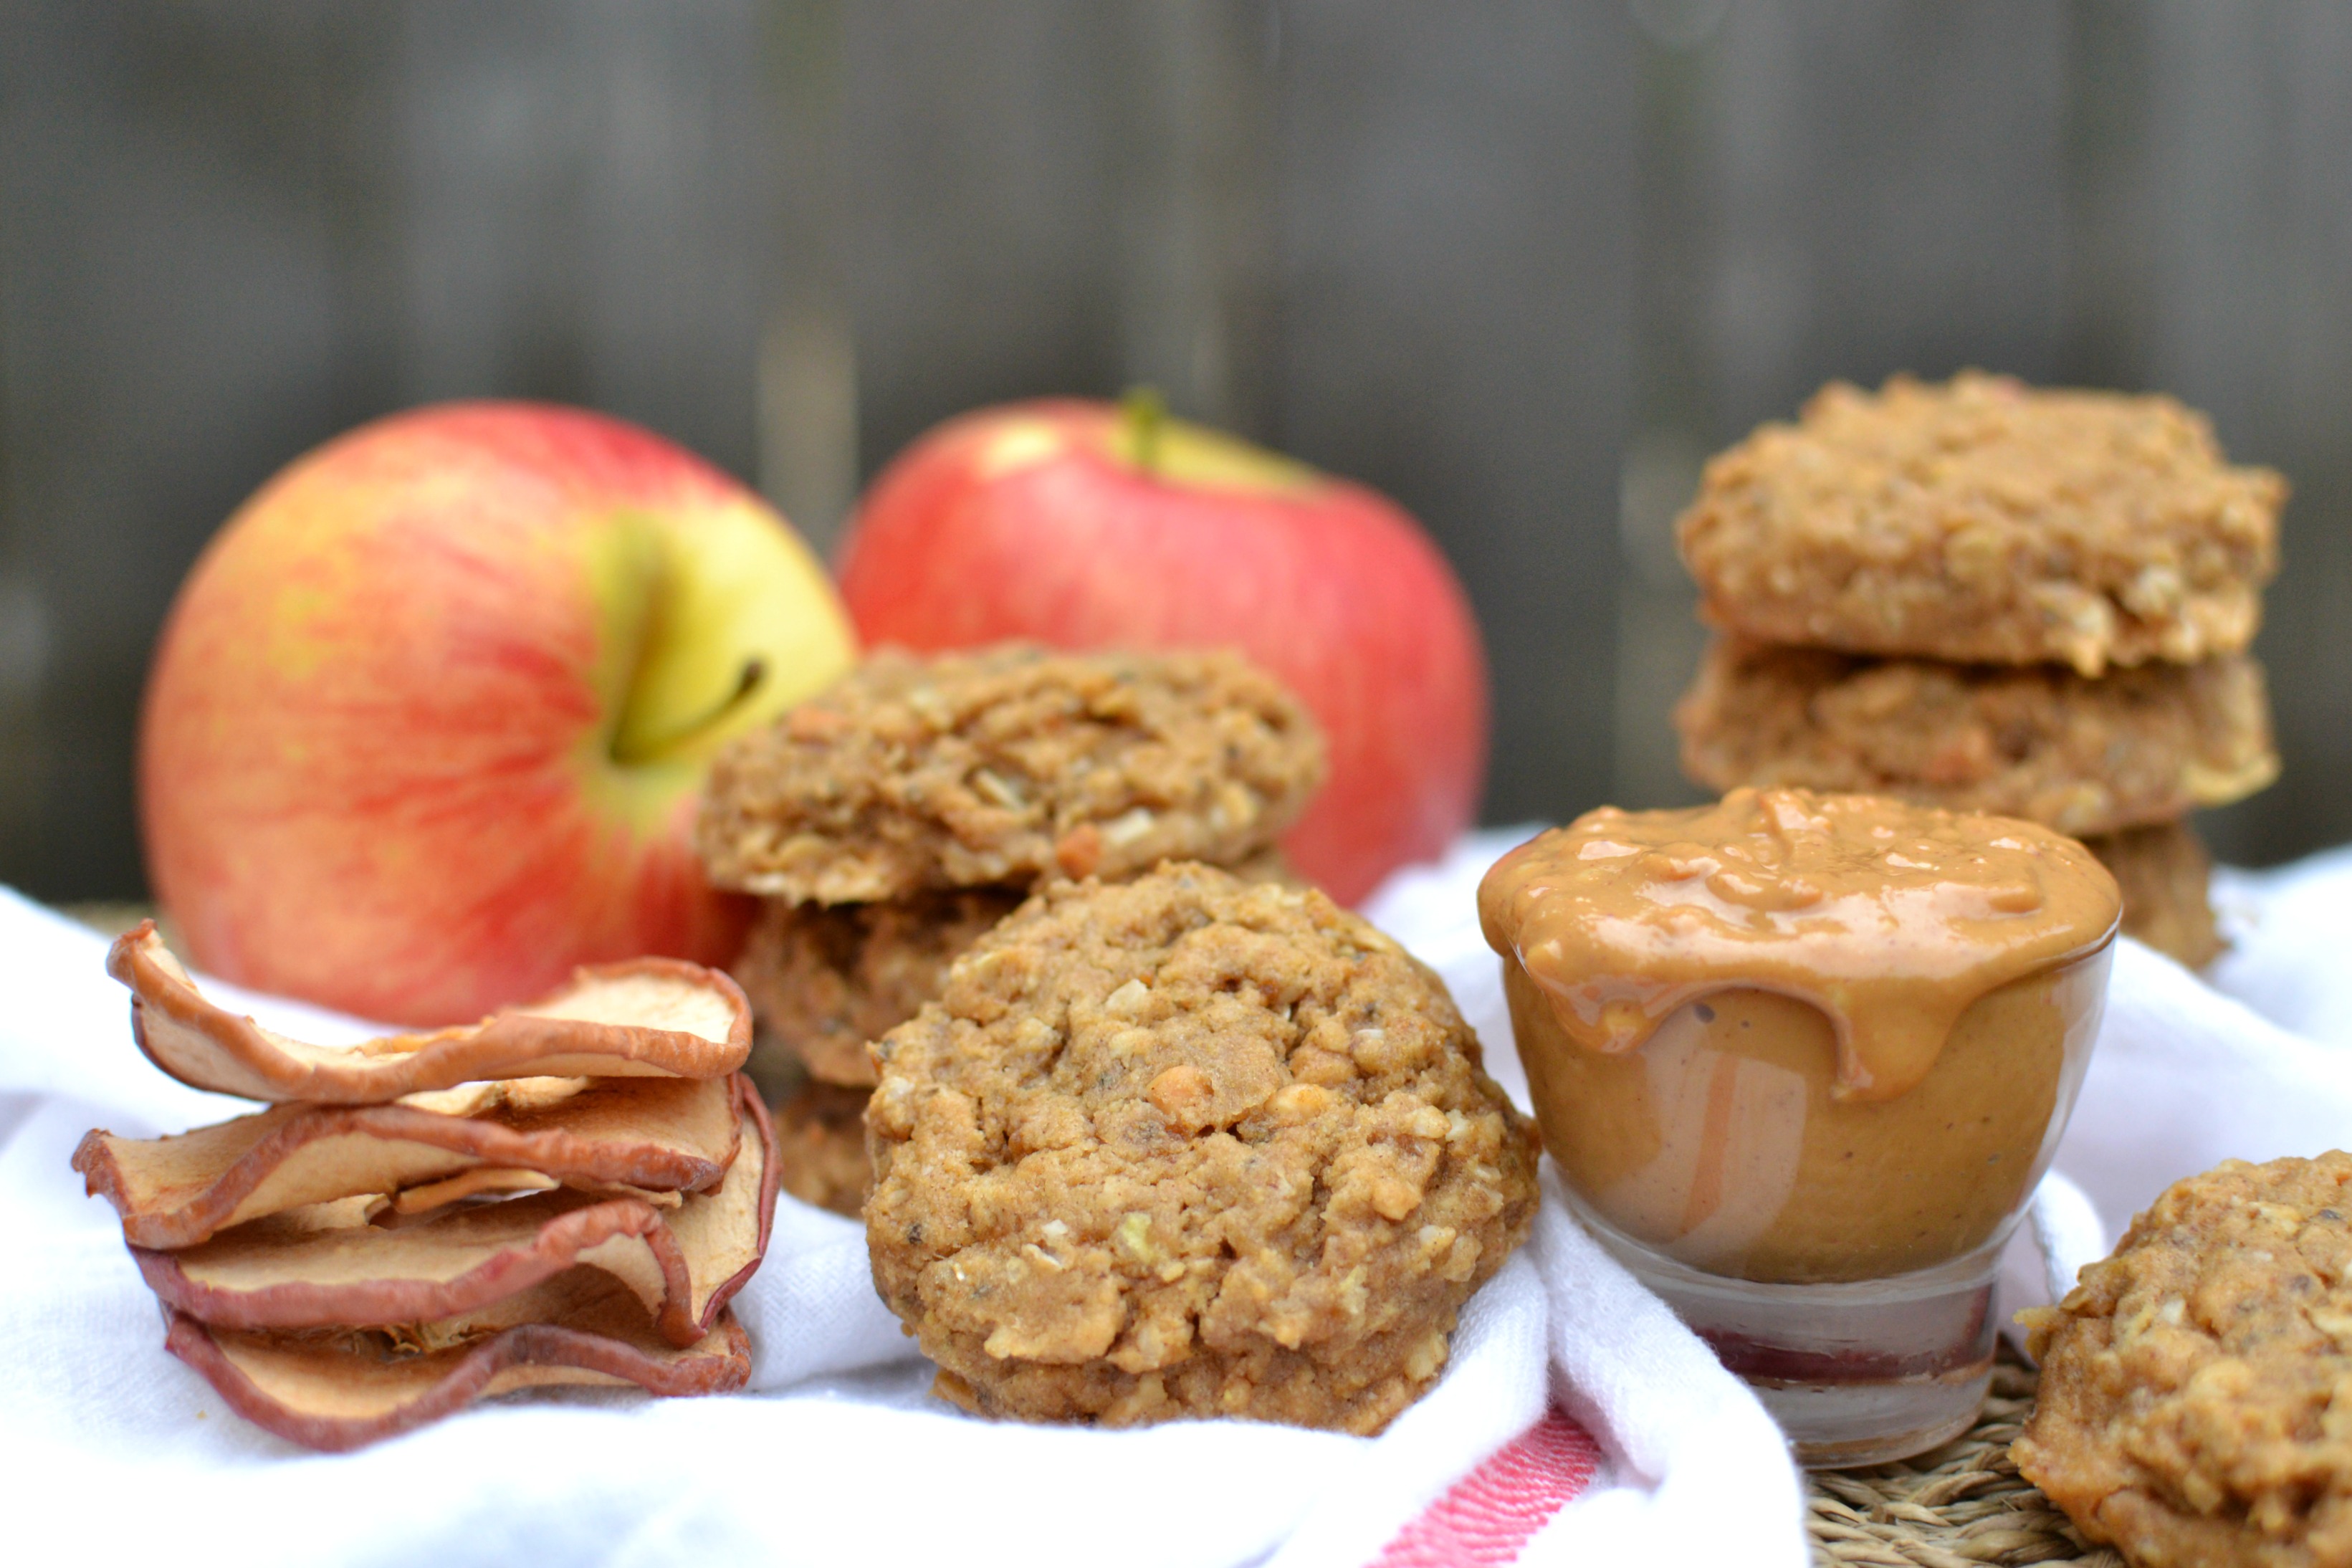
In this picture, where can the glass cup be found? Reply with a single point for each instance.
(1837, 1254)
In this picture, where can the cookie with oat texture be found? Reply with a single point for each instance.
(1983, 520)
(2133, 748)
(2165, 873)
(1005, 766)
(1190, 1146)
(2196, 1394)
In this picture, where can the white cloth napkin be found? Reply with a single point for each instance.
(2287, 957)
(837, 1453)
(2248, 1063)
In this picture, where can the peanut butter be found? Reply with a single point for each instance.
(1803, 1038)
(1889, 919)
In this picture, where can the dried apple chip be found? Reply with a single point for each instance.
(663, 1134)
(303, 1270)
(724, 1236)
(336, 1390)
(285, 1272)
(475, 1182)
(648, 1018)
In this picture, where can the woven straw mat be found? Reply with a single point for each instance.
(1955, 1507)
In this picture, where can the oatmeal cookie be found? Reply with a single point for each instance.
(1005, 766)
(1984, 521)
(1186, 1146)
(2134, 747)
(821, 1145)
(825, 979)
(2164, 872)
(2196, 1399)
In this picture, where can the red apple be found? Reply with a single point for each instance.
(1081, 526)
(427, 722)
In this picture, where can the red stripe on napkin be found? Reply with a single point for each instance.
(1487, 1515)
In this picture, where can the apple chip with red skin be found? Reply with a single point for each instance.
(342, 1389)
(654, 1134)
(328, 1267)
(647, 1017)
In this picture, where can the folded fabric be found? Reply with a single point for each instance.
(2287, 931)
(839, 1451)
(1577, 1421)
(2189, 1072)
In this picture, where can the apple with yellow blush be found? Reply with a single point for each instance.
(427, 722)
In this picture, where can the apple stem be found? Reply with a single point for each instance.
(1145, 412)
(754, 672)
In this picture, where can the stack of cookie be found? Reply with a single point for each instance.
(893, 821)
(1992, 598)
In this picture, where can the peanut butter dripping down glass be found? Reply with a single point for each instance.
(1889, 919)
(1793, 1046)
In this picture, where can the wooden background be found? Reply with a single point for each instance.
(1521, 265)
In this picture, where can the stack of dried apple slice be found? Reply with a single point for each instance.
(568, 1191)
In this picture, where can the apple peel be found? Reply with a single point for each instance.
(286, 1273)
(646, 1018)
(657, 1134)
(335, 1391)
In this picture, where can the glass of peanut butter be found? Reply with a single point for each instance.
(1799, 1060)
